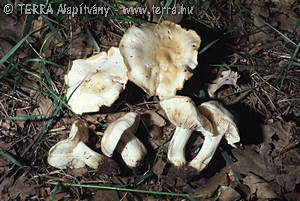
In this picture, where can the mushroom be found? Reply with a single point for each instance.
(224, 124)
(160, 57)
(183, 113)
(73, 151)
(120, 135)
(96, 81)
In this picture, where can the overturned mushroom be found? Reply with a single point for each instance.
(160, 57)
(96, 81)
(183, 113)
(73, 151)
(227, 77)
(120, 135)
(223, 121)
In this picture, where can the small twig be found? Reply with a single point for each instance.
(239, 98)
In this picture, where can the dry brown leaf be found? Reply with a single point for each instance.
(59, 196)
(159, 167)
(114, 116)
(102, 195)
(226, 77)
(289, 163)
(11, 27)
(156, 134)
(211, 186)
(4, 163)
(4, 147)
(278, 134)
(283, 3)
(45, 106)
(294, 196)
(4, 186)
(5, 46)
(248, 160)
(77, 172)
(22, 189)
(289, 180)
(153, 118)
(259, 9)
(227, 193)
(37, 24)
(19, 113)
(81, 46)
(259, 188)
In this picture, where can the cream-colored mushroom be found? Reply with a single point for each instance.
(96, 81)
(223, 121)
(73, 151)
(183, 113)
(160, 57)
(119, 135)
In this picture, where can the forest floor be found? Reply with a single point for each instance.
(253, 45)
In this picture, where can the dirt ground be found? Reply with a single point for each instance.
(248, 59)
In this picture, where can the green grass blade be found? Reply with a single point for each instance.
(13, 160)
(296, 64)
(214, 18)
(230, 162)
(92, 39)
(289, 65)
(136, 21)
(26, 87)
(54, 191)
(29, 22)
(109, 5)
(145, 126)
(46, 74)
(127, 3)
(98, 122)
(125, 189)
(208, 46)
(296, 27)
(22, 117)
(56, 112)
(236, 19)
(142, 178)
(265, 22)
(53, 29)
(245, 55)
(15, 48)
(51, 92)
(34, 60)
(46, 39)
(168, 3)
(243, 90)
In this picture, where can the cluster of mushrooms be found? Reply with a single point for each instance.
(158, 58)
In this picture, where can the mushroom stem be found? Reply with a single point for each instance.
(120, 135)
(86, 154)
(206, 153)
(131, 149)
(176, 153)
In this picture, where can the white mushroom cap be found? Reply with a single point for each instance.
(222, 120)
(160, 57)
(73, 152)
(120, 135)
(224, 123)
(96, 81)
(183, 113)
